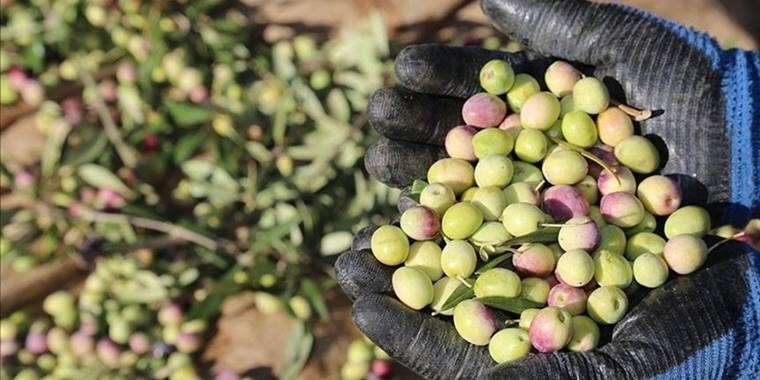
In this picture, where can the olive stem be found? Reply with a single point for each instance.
(463, 281)
(482, 252)
(557, 225)
(637, 114)
(125, 153)
(718, 244)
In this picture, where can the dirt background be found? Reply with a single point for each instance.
(432, 20)
(248, 341)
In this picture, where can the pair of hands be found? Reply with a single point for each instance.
(659, 66)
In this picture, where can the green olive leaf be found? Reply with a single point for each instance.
(102, 178)
(311, 290)
(297, 351)
(544, 235)
(418, 185)
(511, 304)
(416, 189)
(461, 293)
(187, 114)
(494, 263)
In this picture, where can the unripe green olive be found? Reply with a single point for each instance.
(390, 245)
(412, 287)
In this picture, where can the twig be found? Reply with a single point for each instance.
(152, 244)
(170, 229)
(151, 224)
(126, 154)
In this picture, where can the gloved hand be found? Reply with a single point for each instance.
(706, 325)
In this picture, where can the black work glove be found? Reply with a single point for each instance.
(705, 325)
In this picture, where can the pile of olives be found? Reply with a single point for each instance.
(560, 201)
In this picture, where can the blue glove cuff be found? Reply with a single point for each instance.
(740, 82)
(741, 87)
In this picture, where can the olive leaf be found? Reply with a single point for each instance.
(416, 189)
(511, 304)
(311, 290)
(544, 235)
(51, 156)
(89, 151)
(187, 114)
(297, 351)
(494, 263)
(208, 306)
(102, 178)
(418, 186)
(461, 293)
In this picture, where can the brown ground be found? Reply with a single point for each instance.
(407, 18)
(247, 339)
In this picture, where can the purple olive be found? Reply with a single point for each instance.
(108, 352)
(484, 110)
(188, 343)
(36, 342)
(81, 343)
(139, 343)
(564, 202)
(170, 314)
(550, 329)
(512, 124)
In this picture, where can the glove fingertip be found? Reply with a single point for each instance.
(410, 68)
(398, 163)
(358, 274)
(363, 239)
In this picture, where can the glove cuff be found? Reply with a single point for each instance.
(740, 82)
